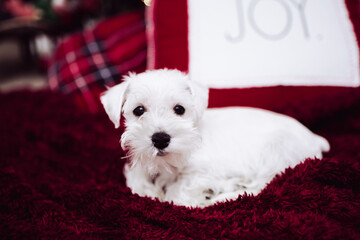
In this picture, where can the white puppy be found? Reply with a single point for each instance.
(181, 152)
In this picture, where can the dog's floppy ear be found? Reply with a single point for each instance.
(113, 100)
(200, 97)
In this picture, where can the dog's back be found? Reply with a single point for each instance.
(244, 148)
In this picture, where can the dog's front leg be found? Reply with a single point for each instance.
(142, 183)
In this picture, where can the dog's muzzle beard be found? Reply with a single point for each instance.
(157, 150)
(154, 157)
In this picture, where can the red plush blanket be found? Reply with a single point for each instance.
(61, 177)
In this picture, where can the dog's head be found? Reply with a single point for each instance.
(162, 110)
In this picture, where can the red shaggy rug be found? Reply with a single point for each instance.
(61, 178)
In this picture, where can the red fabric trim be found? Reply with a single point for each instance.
(271, 97)
(353, 7)
(170, 34)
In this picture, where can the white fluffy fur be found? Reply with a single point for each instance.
(214, 154)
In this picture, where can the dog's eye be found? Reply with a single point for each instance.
(138, 111)
(179, 110)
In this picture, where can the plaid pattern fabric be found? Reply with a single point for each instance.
(86, 62)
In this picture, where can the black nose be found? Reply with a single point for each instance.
(160, 140)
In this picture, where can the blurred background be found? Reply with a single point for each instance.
(31, 29)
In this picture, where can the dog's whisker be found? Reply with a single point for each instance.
(128, 156)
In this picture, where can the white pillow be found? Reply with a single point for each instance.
(248, 43)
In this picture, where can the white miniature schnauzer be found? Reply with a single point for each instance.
(179, 151)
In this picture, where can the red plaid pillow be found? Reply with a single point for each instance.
(86, 62)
